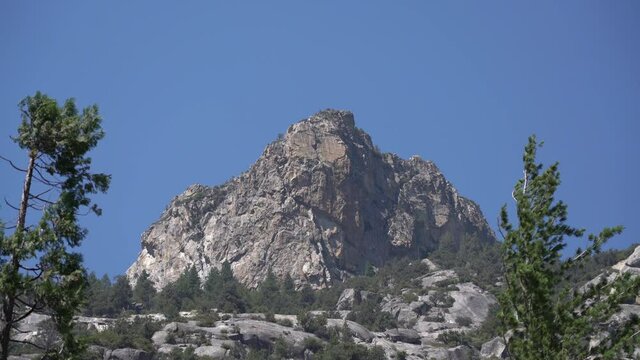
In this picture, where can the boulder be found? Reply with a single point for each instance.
(216, 349)
(403, 335)
(261, 334)
(126, 354)
(494, 349)
(358, 331)
(634, 259)
(433, 279)
(419, 307)
(470, 302)
(346, 299)
(160, 337)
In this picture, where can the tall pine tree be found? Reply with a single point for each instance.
(38, 270)
(545, 322)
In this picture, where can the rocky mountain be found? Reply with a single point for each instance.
(321, 203)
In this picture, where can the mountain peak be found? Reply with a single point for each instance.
(320, 205)
(341, 119)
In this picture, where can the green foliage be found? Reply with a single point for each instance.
(442, 299)
(281, 349)
(121, 294)
(313, 344)
(126, 334)
(38, 269)
(231, 297)
(143, 291)
(268, 297)
(187, 353)
(342, 347)
(548, 322)
(98, 296)
(472, 259)
(464, 320)
(369, 314)
(314, 324)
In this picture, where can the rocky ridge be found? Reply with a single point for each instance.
(320, 203)
(445, 304)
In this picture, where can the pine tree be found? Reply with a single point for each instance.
(188, 284)
(268, 297)
(98, 296)
(211, 290)
(38, 271)
(143, 291)
(231, 299)
(121, 295)
(545, 322)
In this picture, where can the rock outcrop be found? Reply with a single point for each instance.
(321, 203)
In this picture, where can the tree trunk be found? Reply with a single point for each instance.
(9, 299)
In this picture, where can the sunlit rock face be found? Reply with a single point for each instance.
(320, 203)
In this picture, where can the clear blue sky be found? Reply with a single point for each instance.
(192, 91)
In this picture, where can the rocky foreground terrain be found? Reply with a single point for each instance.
(439, 305)
(320, 204)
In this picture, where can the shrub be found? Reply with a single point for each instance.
(314, 324)
(464, 320)
(369, 314)
(285, 322)
(312, 344)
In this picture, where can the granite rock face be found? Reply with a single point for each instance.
(320, 203)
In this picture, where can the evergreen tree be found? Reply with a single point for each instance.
(188, 288)
(307, 296)
(144, 292)
(547, 323)
(121, 295)
(268, 297)
(168, 302)
(38, 270)
(98, 296)
(211, 290)
(289, 300)
(231, 299)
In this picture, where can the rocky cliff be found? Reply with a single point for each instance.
(320, 203)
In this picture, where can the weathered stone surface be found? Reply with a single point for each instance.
(399, 309)
(470, 302)
(262, 334)
(630, 264)
(403, 335)
(420, 352)
(126, 354)
(358, 331)
(346, 299)
(216, 349)
(319, 204)
(419, 307)
(94, 323)
(433, 279)
(160, 337)
(494, 349)
(634, 259)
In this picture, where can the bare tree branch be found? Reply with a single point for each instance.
(28, 343)
(35, 197)
(12, 164)
(10, 205)
(25, 315)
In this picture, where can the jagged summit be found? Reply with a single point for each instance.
(320, 203)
